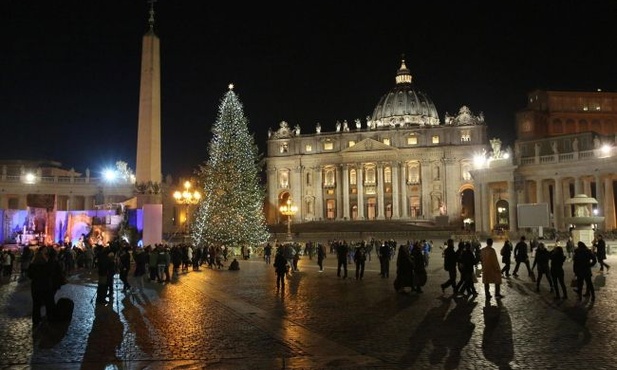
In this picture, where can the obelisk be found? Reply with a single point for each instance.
(148, 166)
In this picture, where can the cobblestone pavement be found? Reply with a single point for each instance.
(220, 319)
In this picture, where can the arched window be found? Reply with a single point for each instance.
(370, 175)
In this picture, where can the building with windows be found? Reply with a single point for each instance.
(404, 163)
(400, 163)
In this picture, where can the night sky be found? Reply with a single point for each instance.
(69, 70)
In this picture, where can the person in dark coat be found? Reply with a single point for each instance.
(384, 260)
(280, 268)
(542, 260)
(404, 270)
(141, 265)
(359, 258)
(40, 273)
(449, 264)
(419, 267)
(582, 262)
(601, 253)
(557, 259)
(521, 256)
(321, 254)
(342, 250)
(467, 262)
(106, 270)
(506, 256)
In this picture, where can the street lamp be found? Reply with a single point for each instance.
(288, 209)
(187, 198)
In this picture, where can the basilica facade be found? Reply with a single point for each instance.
(405, 163)
(401, 163)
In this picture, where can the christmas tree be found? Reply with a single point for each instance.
(231, 210)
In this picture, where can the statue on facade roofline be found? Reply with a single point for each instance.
(358, 123)
(297, 130)
(318, 128)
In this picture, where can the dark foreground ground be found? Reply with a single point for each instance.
(219, 319)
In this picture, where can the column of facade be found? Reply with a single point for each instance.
(346, 192)
(295, 185)
(360, 187)
(273, 182)
(599, 194)
(609, 204)
(339, 193)
(319, 201)
(404, 200)
(482, 203)
(512, 206)
(380, 190)
(587, 187)
(558, 204)
(395, 196)
(426, 181)
(566, 195)
(539, 191)
(578, 185)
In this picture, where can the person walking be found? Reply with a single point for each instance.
(467, 261)
(40, 273)
(384, 260)
(404, 270)
(506, 256)
(359, 258)
(521, 256)
(542, 260)
(582, 262)
(491, 273)
(342, 250)
(124, 267)
(557, 258)
(419, 267)
(569, 248)
(321, 255)
(267, 253)
(449, 264)
(141, 264)
(601, 253)
(281, 267)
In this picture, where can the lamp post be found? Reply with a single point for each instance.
(187, 198)
(288, 209)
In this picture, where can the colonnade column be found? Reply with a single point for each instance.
(481, 202)
(404, 205)
(566, 195)
(425, 173)
(512, 206)
(360, 187)
(578, 186)
(296, 192)
(539, 191)
(609, 204)
(380, 198)
(345, 192)
(600, 199)
(558, 203)
(395, 196)
(319, 194)
(587, 187)
(339, 193)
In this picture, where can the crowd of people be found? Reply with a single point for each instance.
(47, 267)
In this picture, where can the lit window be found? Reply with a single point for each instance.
(351, 143)
(308, 148)
(386, 141)
(435, 139)
(585, 109)
(598, 108)
(328, 145)
(387, 174)
(465, 136)
(353, 177)
(412, 140)
(284, 148)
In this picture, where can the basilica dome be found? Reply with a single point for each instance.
(404, 106)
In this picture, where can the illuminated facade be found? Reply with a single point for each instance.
(400, 163)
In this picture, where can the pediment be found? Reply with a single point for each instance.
(368, 145)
